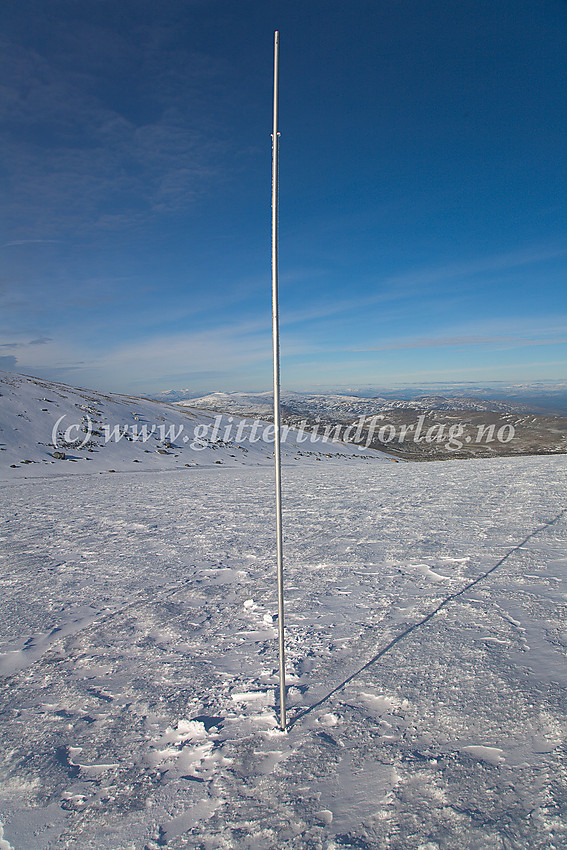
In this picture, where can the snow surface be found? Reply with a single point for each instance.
(425, 635)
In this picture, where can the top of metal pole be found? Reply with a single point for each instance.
(276, 79)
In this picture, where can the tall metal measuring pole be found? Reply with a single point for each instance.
(276, 338)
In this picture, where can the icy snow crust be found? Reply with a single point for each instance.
(425, 657)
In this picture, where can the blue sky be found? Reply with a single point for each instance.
(422, 203)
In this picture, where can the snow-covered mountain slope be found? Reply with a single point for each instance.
(257, 404)
(101, 432)
(425, 640)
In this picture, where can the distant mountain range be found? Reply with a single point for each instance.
(48, 428)
(478, 421)
(172, 395)
(539, 397)
(341, 407)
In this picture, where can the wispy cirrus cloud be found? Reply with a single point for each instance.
(499, 342)
(224, 351)
(494, 333)
(18, 242)
(437, 279)
(79, 161)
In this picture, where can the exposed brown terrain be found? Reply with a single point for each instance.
(426, 428)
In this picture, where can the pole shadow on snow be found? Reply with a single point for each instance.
(414, 626)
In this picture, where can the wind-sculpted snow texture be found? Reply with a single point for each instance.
(425, 653)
